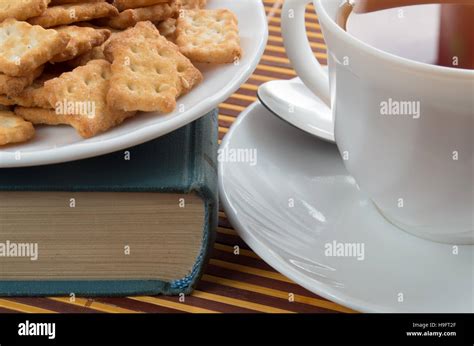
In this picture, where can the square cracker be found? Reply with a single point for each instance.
(73, 13)
(148, 71)
(22, 9)
(79, 99)
(128, 4)
(209, 36)
(129, 18)
(83, 39)
(14, 129)
(24, 48)
(12, 86)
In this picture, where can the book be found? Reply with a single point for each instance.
(135, 222)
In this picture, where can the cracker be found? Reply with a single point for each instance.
(79, 98)
(24, 48)
(208, 36)
(83, 39)
(6, 101)
(167, 28)
(12, 86)
(81, 60)
(193, 4)
(35, 95)
(148, 71)
(22, 9)
(97, 53)
(32, 96)
(14, 129)
(128, 4)
(129, 18)
(65, 2)
(41, 116)
(73, 13)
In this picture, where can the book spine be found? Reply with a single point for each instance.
(204, 183)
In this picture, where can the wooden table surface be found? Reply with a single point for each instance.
(232, 283)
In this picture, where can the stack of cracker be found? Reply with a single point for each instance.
(92, 64)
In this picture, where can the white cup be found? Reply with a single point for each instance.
(418, 170)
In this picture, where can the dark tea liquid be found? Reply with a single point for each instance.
(438, 34)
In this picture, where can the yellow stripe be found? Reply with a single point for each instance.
(244, 97)
(172, 305)
(276, 49)
(250, 270)
(309, 33)
(262, 78)
(307, 15)
(226, 118)
(277, 69)
(223, 129)
(275, 59)
(314, 34)
(238, 302)
(94, 305)
(308, 25)
(287, 61)
(230, 249)
(15, 306)
(232, 107)
(247, 86)
(315, 45)
(277, 293)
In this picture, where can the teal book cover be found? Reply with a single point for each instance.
(182, 163)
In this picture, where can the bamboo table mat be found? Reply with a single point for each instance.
(232, 283)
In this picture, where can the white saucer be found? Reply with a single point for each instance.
(297, 169)
(293, 102)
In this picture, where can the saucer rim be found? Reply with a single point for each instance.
(267, 254)
(277, 262)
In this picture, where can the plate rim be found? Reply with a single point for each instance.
(93, 149)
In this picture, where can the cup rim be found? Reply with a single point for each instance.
(378, 53)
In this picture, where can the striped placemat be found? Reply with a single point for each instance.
(232, 283)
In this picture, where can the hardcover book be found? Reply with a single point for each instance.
(138, 221)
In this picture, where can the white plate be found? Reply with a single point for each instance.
(299, 170)
(61, 144)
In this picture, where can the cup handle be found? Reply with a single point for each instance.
(299, 51)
